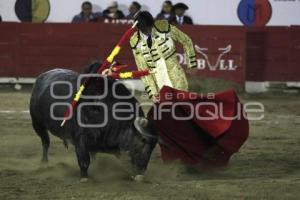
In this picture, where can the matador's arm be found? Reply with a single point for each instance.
(187, 44)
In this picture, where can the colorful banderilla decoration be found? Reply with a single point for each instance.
(104, 65)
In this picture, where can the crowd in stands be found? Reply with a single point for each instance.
(175, 14)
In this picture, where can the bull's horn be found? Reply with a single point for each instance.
(141, 125)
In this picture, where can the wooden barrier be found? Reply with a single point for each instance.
(256, 54)
(273, 54)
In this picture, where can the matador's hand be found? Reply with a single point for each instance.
(152, 71)
(107, 72)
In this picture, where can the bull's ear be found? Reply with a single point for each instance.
(92, 68)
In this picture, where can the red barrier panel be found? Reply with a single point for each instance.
(8, 48)
(270, 53)
(30, 49)
(273, 54)
(294, 58)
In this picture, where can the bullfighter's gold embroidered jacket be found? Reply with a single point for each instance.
(161, 57)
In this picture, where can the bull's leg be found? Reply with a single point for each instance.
(117, 154)
(45, 142)
(93, 156)
(83, 157)
(43, 134)
(140, 159)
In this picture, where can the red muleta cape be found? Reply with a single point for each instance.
(204, 139)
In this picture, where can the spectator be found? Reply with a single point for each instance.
(86, 14)
(180, 18)
(112, 12)
(166, 12)
(134, 8)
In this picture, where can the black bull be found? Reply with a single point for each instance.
(116, 136)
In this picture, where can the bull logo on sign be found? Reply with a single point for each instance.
(219, 63)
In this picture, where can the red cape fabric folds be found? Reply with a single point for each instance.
(214, 127)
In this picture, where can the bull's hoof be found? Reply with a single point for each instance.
(83, 180)
(44, 165)
(138, 178)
